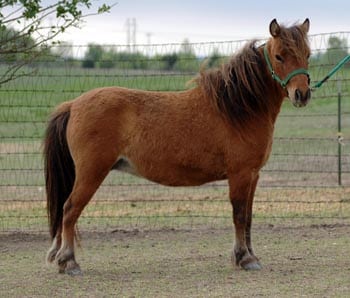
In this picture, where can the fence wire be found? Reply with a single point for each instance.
(300, 181)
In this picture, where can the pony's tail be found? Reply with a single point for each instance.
(59, 167)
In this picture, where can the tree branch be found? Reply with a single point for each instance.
(26, 44)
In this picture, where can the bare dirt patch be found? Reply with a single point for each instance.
(305, 261)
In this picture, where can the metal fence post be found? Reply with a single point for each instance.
(340, 137)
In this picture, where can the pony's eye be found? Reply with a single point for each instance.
(279, 58)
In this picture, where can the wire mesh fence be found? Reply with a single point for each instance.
(307, 176)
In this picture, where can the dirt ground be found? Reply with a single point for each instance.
(311, 261)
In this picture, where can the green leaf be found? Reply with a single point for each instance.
(104, 8)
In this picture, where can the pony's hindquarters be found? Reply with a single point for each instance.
(78, 157)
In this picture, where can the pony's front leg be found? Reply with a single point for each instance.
(241, 187)
(255, 179)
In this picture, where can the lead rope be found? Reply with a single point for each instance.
(325, 79)
(331, 73)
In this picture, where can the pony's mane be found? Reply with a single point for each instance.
(238, 89)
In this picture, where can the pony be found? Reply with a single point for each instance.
(221, 128)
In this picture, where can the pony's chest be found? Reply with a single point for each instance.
(261, 152)
(267, 152)
(252, 155)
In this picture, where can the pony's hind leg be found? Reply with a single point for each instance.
(56, 244)
(89, 177)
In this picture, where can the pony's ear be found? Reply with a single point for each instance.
(275, 28)
(305, 26)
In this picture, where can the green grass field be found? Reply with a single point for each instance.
(304, 153)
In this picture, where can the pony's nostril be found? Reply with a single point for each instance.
(298, 95)
(308, 94)
(302, 97)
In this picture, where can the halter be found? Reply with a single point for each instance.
(292, 74)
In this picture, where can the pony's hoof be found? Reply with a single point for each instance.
(74, 272)
(73, 269)
(252, 266)
(51, 256)
(52, 252)
(245, 260)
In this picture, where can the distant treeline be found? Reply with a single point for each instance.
(108, 57)
(98, 56)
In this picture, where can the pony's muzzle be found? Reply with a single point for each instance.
(301, 98)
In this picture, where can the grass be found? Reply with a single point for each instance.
(159, 207)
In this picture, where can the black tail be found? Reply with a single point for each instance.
(59, 167)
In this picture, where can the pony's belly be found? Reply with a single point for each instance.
(123, 164)
(171, 175)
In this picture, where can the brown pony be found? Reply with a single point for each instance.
(220, 129)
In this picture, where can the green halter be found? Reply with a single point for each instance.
(292, 74)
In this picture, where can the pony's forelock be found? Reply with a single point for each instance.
(295, 41)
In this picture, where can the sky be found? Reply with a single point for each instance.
(161, 21)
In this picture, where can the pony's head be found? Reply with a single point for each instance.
(286, 54)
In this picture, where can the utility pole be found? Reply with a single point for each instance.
(134, 28)
(128, 34)
(131, 28)
(149, 35)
